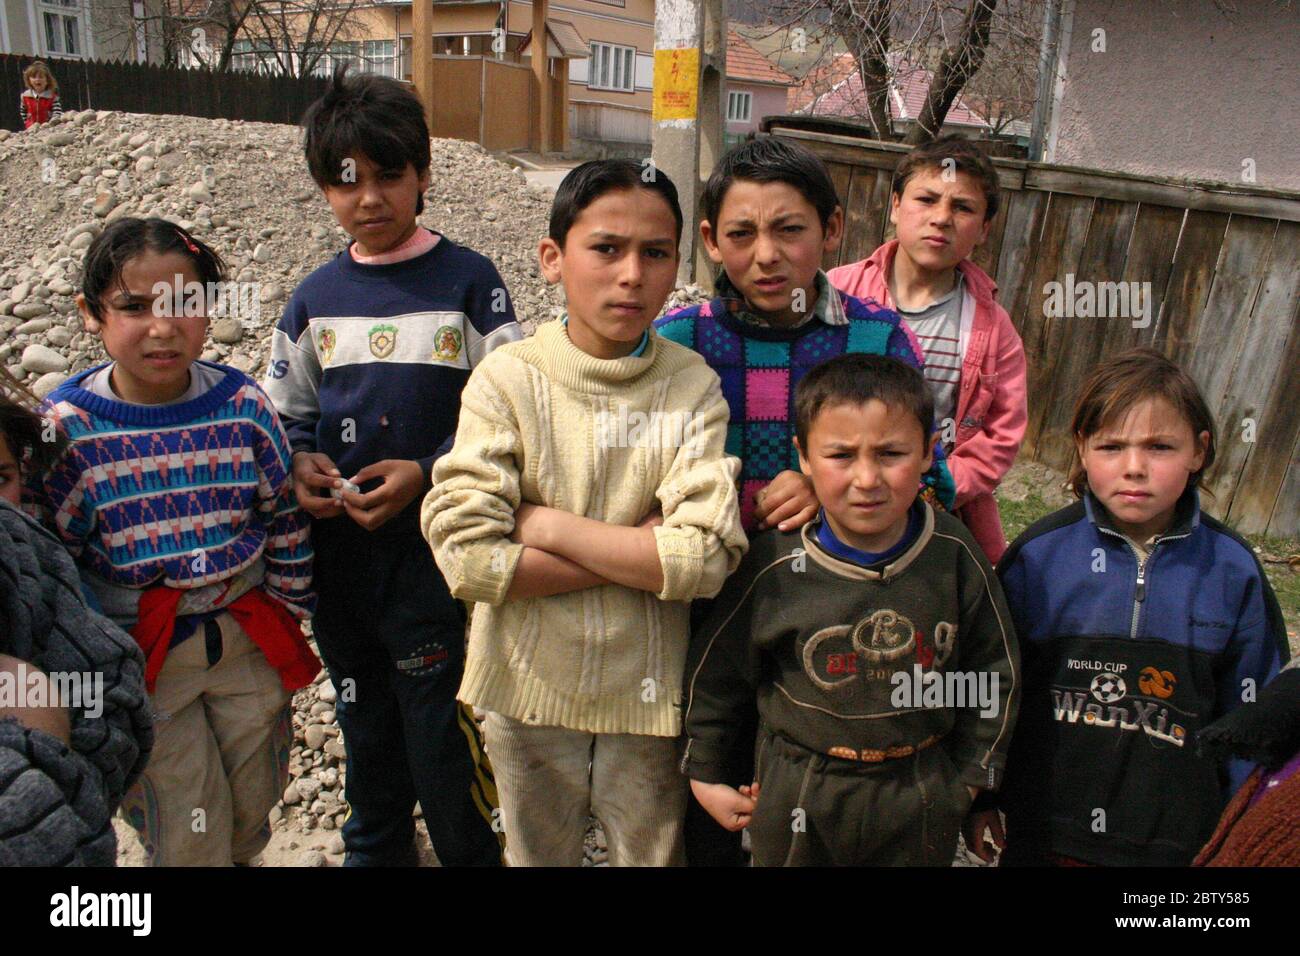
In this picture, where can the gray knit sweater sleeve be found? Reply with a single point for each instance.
(56, 801)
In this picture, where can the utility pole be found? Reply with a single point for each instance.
(689, 75)
(541, 73)
(422, 54)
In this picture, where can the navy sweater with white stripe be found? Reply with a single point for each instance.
(368, 361)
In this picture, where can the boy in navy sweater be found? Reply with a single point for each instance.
(367, 367)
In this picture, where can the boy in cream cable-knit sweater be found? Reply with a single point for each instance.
(586, 502)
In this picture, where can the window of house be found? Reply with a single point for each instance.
(456, 45)
(611, 67)
(377, 56)
(404, 58)
(738, 105)
(339, 52)
(61, 21)
(254, 57)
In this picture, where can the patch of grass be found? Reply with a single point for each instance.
(1285, 579)
(1019, 515)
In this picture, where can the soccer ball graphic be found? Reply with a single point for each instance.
(1108, 688)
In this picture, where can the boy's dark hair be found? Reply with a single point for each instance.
(370, 114)
(126, 239)
(966, 158)
(24, 430)
(855, 379)
(1115, 385)
(586, 183)
(771, 160)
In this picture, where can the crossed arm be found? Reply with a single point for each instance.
(566, 552)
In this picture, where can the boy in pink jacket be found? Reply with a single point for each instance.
(945, 196)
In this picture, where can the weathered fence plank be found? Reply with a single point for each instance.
(841, 175)
(1019, 250)
(1251, 424)
(1225, 320)
(1189, 282)
(1082, 338)
(866, 213)
(1045, 338)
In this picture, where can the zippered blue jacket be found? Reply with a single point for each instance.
(1124, 662)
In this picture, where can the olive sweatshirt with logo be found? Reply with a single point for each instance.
(858, 662)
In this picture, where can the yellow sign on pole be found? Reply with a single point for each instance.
(677, 84)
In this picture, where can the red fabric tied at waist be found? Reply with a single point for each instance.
(266, 621)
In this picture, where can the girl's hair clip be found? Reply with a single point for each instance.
(189, 243)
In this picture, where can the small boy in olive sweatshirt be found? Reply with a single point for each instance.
(876, 640)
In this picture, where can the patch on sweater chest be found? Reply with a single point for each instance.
(419, 338)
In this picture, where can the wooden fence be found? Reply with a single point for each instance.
(145, 88)
(1223, 267)
(492, 102)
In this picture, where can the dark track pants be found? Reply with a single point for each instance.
(815, 810)
(393, 641)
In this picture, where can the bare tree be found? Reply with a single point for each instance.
(953, 39)
(957, 65)
(295, 34)
(864, 26)
(1005, 88)
(286, 36)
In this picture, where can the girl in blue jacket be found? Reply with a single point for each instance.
(1141, 620)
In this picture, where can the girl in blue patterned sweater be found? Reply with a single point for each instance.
(175, 498)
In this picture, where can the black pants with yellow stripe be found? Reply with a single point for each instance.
(816, 810)
(393, 640)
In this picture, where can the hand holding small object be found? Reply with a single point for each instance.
(337, 490)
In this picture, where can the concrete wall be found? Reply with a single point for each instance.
(1182, 91)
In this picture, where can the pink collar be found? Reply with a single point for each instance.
(421, 241)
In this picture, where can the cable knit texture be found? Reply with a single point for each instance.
(543, 422)
(55, 800)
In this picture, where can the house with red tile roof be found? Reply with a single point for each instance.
(754, 89)
(836, 90)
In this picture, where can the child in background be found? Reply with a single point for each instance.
(39, 102)
(842, 630)
(770, 213)
(945, 196)
(367, 366)
(25, 454)
(1142, 621)
(175, 498)
(587, 500)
